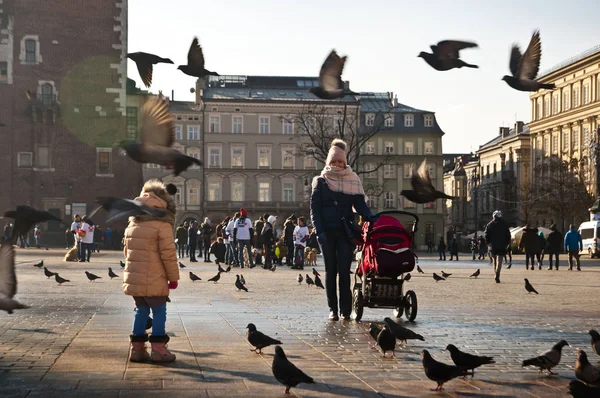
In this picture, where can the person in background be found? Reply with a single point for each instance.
(497, 234)
(37, 232)
(193, 240)
(474, 247)
(69, 238)
(573, 245)
(454, 248)
(181, 234)
(530, 242)
(482, 248)
(8, 230)
(75, 225)
(206, 231)
(554, 244)
(219, 250)
(301, 234)
(288, 236)
(86, 231)
(258, 239)
(540, 255)
(231, 257)
(442, 249)
(242, 234)
(108, 243)
(268, 239)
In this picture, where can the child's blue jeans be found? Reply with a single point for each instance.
(159, 320)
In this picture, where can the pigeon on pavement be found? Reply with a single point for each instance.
(122, 264)
(445, 275)
(420, 270)
(331, 85)
(529, 287)
(315, 272)
(228, 268)
(111, 274)
(8, 279)
(220, 269)
(181, 265)
(579, 389)
(157, 135)
(309, 280)
(258, 339)
(445, 55)
(386, 341)
(39, 265)
(299, 279)
(525, 67)
(438, 371)
(194, 277)
(286, 372)
(144, 62)
(374, 331)
(467, 361)
(25, 218)
(407, 277)
(585, 371)
(402, 333)
(242, 280)
(438, 278)
(595, 341)
(423, 190)
(195, 63)
(239, 285)
(548, 359)
(91, 276)
(60, 280)
(476, 273)
(215, 278)
(318, 282)
(48, 273)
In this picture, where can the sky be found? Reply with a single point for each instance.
(381, 39)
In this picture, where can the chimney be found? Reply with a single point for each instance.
(346, 85)
(395, 101)
(172, 95)
(504, 131)
(518, 127)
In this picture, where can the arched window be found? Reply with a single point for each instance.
(47, 94)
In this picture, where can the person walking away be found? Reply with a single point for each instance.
(258, 239)
(540, 254)
(231, 257)
(151, 271)
(442, 249)
(530, 243)
(8, 230)
(554, 244)
(573, 245)
(193, 240)
(86, 232)
(207, 231)
(509, 255)
(454, 248)
(497, 234)
(268, 239)
(98, 237)
(219, 250)
(37, 232)
(334, 193)
(108, 238)
(242, 234)
(301, 234)
(181, 236)
(288, 236)
(474, 247)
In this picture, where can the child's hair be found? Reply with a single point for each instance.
(301, 219)
(220, 239)
(237, 214)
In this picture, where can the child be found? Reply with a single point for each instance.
(301, 234)
(151, 270)
(218, 249)
(280, 251)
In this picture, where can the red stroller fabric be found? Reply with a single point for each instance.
(387, 248)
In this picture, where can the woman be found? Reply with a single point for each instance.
(530, 242)
(554, 245)
(334, 193)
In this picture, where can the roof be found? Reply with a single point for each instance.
(498, 139)
(381, 102)
(267, 95)
(181, 106)
(572, 60)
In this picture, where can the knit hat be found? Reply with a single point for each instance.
(206, 220)
(243, 212)
(337, 152)
(271, 220)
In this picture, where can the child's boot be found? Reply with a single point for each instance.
(159, 349)
(138, 348)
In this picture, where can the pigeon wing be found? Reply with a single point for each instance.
(196, 55)
(529, 64)
(157, 123)
(421, 181)
(330, 77)
(448, 49)
(145, 70)
(515, 60)
(8, 278)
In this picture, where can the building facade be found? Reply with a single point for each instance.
(59, 151)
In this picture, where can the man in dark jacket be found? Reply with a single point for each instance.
(193, 240)
(288, 237)
(258, 239)
(206, 231)
(530, 242)
(497, 236)
(553, 245)
(442, 248)
(181, 235)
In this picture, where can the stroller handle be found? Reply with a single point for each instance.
(408, 213)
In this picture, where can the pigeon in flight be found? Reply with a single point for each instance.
(467, 361)
(407, 277)
(315, 272)
(475, 274)
(579, 389)
(595, 341)
(438, 371)
(402, 333)
(194, 277)
(239, 285)
(25, 218)
(318, 282)
(585, 371)
(39, 265)
(386, 341)
(258, 339)
(181, 265)
(438, 278)
(309, 280)
(299, 279)
(331, 85)
(525, 67)
(195, 65)
(548, 359)
(8, 279)
(286, 372)
(215, 278)
(445, 55)
(122, 264)
(91, 276)
(445, 275)
(529, 287)
(118, 208)
(157, 135)
(49, 274)
(60, 280)
(242, 280)
(111, 274)
(144, 62)
(423, 190)
(420, 270)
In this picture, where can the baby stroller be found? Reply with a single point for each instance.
(386, 256)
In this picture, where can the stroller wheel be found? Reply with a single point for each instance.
(411, 305)
(398, 312)
(357, 304)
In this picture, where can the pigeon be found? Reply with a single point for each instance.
(374, 331)
(157, 135)
(239, 285)
(445, 55)
(386, 341)
(548, 359)
(467, 361)
(39, 265)
(118, 208)
(220, 269)
(259, 340)
(195, 277)
(144, 62)
(475, 274)
(228, 268)
(579, 389)
(242, 280)
(318, 282)
(286, 372)
(273, 268)
(25, 218)
(111, 274)
(331, 85)
(423, 190)
(91, 276)
(585, 371)
(445, 275)
(8, 279)
(181, 265)
(299, 279)
(402, 333)
(122, 264)
(420, 270)
(407, 277)
(60, 280)
(48, 273)
(316, 273)
(525, 67)
(215, 278)
(47, 248)
(595, 341)
(309, 280)
(438, 371)
(529, 288)
(195, 63)
(438, 278)
(168, 299)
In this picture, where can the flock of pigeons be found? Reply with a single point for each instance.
(240, 282)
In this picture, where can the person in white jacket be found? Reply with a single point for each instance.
(301, 235)
(230, 256)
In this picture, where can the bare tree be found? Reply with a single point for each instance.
(527, 203)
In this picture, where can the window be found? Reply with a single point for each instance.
(389, 171)
(48, 94)
(193, 133)
(178, 197)
(586, 94)
(236, 124)
(389, 147)
(565, 100)
(264, 191)
(193, 198)
(546, 145)
(431, 170)
(546, 106)
(43, 157)
(409, 148)
(263, 125)
(237, 191)
(264, 157)
(132, 122)
(370, 147)
(409, 120)
(390, 202)
(214, 157)
(575, 138)
(586, 137)
(103, 161)
(428, 120)
(539, 109)
(370, 170)
(575, 97)
(214, 191)
(372, 203)
(288, 192)
(310, 162)
(408, 169)
(237, 156)
(287, 158)
(408, 204)
(25, 159)
(214, 124)
(555, 143)
(193, 152)
(370, 119)
(389, 121)
(566, 141)
(3, 69)
(178, 135)
(429, 148)
(288, 126)
(30, 50)
(555, 104)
